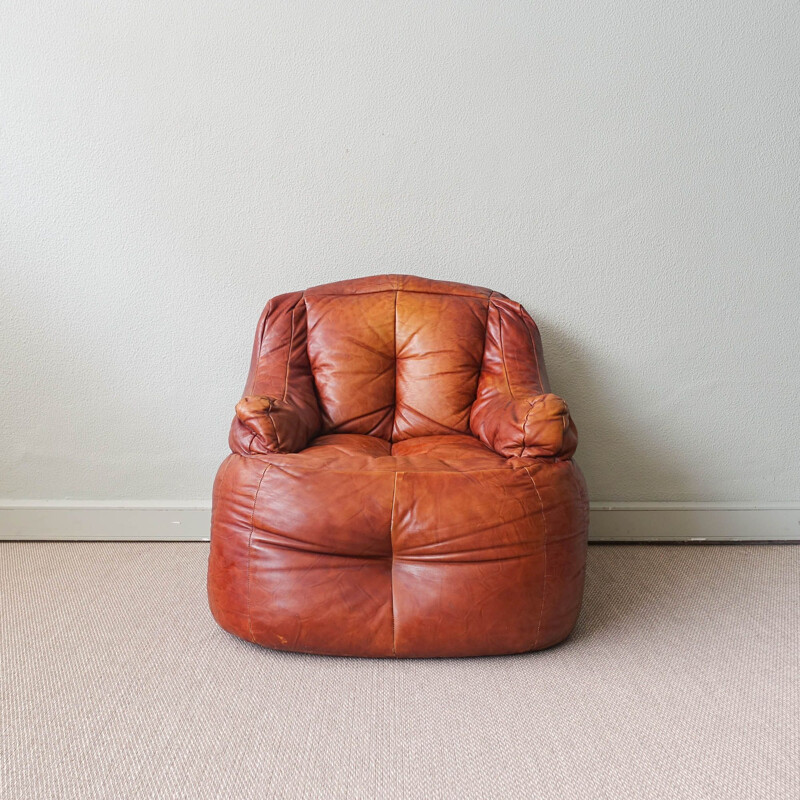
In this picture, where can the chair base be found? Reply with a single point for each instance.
(383, 567)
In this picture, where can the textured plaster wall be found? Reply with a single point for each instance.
(628, 170)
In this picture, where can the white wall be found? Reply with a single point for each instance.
(627, 170)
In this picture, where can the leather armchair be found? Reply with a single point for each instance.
(401, 480)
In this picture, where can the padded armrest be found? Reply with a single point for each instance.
(276, 426)
(531, 427)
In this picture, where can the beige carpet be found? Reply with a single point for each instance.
(681, 681)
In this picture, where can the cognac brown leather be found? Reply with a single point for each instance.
(401, 482)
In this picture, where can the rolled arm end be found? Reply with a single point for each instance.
(266, 425)
(533, 427)
(548, 429)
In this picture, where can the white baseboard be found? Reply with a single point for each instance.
(133, 522)
(694, 522)
(610, 522)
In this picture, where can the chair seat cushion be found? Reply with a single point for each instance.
(448, 453)
(432, 546)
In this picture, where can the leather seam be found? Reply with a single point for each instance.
(320, 413)
(394, 410)
(480, 363)
(293, 469)
(289, 355)
(391, 568)
(251, 383)
(503, 352)
(485, 332)
(542, 388)
(394, 289)
(544, 574)
(249, 551)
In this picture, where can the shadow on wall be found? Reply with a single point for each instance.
(620, 457)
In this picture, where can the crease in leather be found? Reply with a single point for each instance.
(544, 571)
(525, 424)
(391, 573)
(343, 424)
(409, 408)
(249, 553)
(503, 353)
(294, 467)
(257, 354)
(394, 422)
(274, 426)
(308, 357)
(398, 288)
(310, 550)
(289, 358)
(483, 355)
(534, 348)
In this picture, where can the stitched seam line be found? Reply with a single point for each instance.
(289, 356)
(447, 292)
(542, 388)
(503, 352)
(292, 468)
(391, 573)
(485, 332)
(311, 369)
(394, 414)
(251, 383)
(480, 367)
(544, 575)
(249, 546)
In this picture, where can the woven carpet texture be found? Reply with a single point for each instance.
(680, 681)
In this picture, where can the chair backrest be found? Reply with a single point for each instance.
(395, 356)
